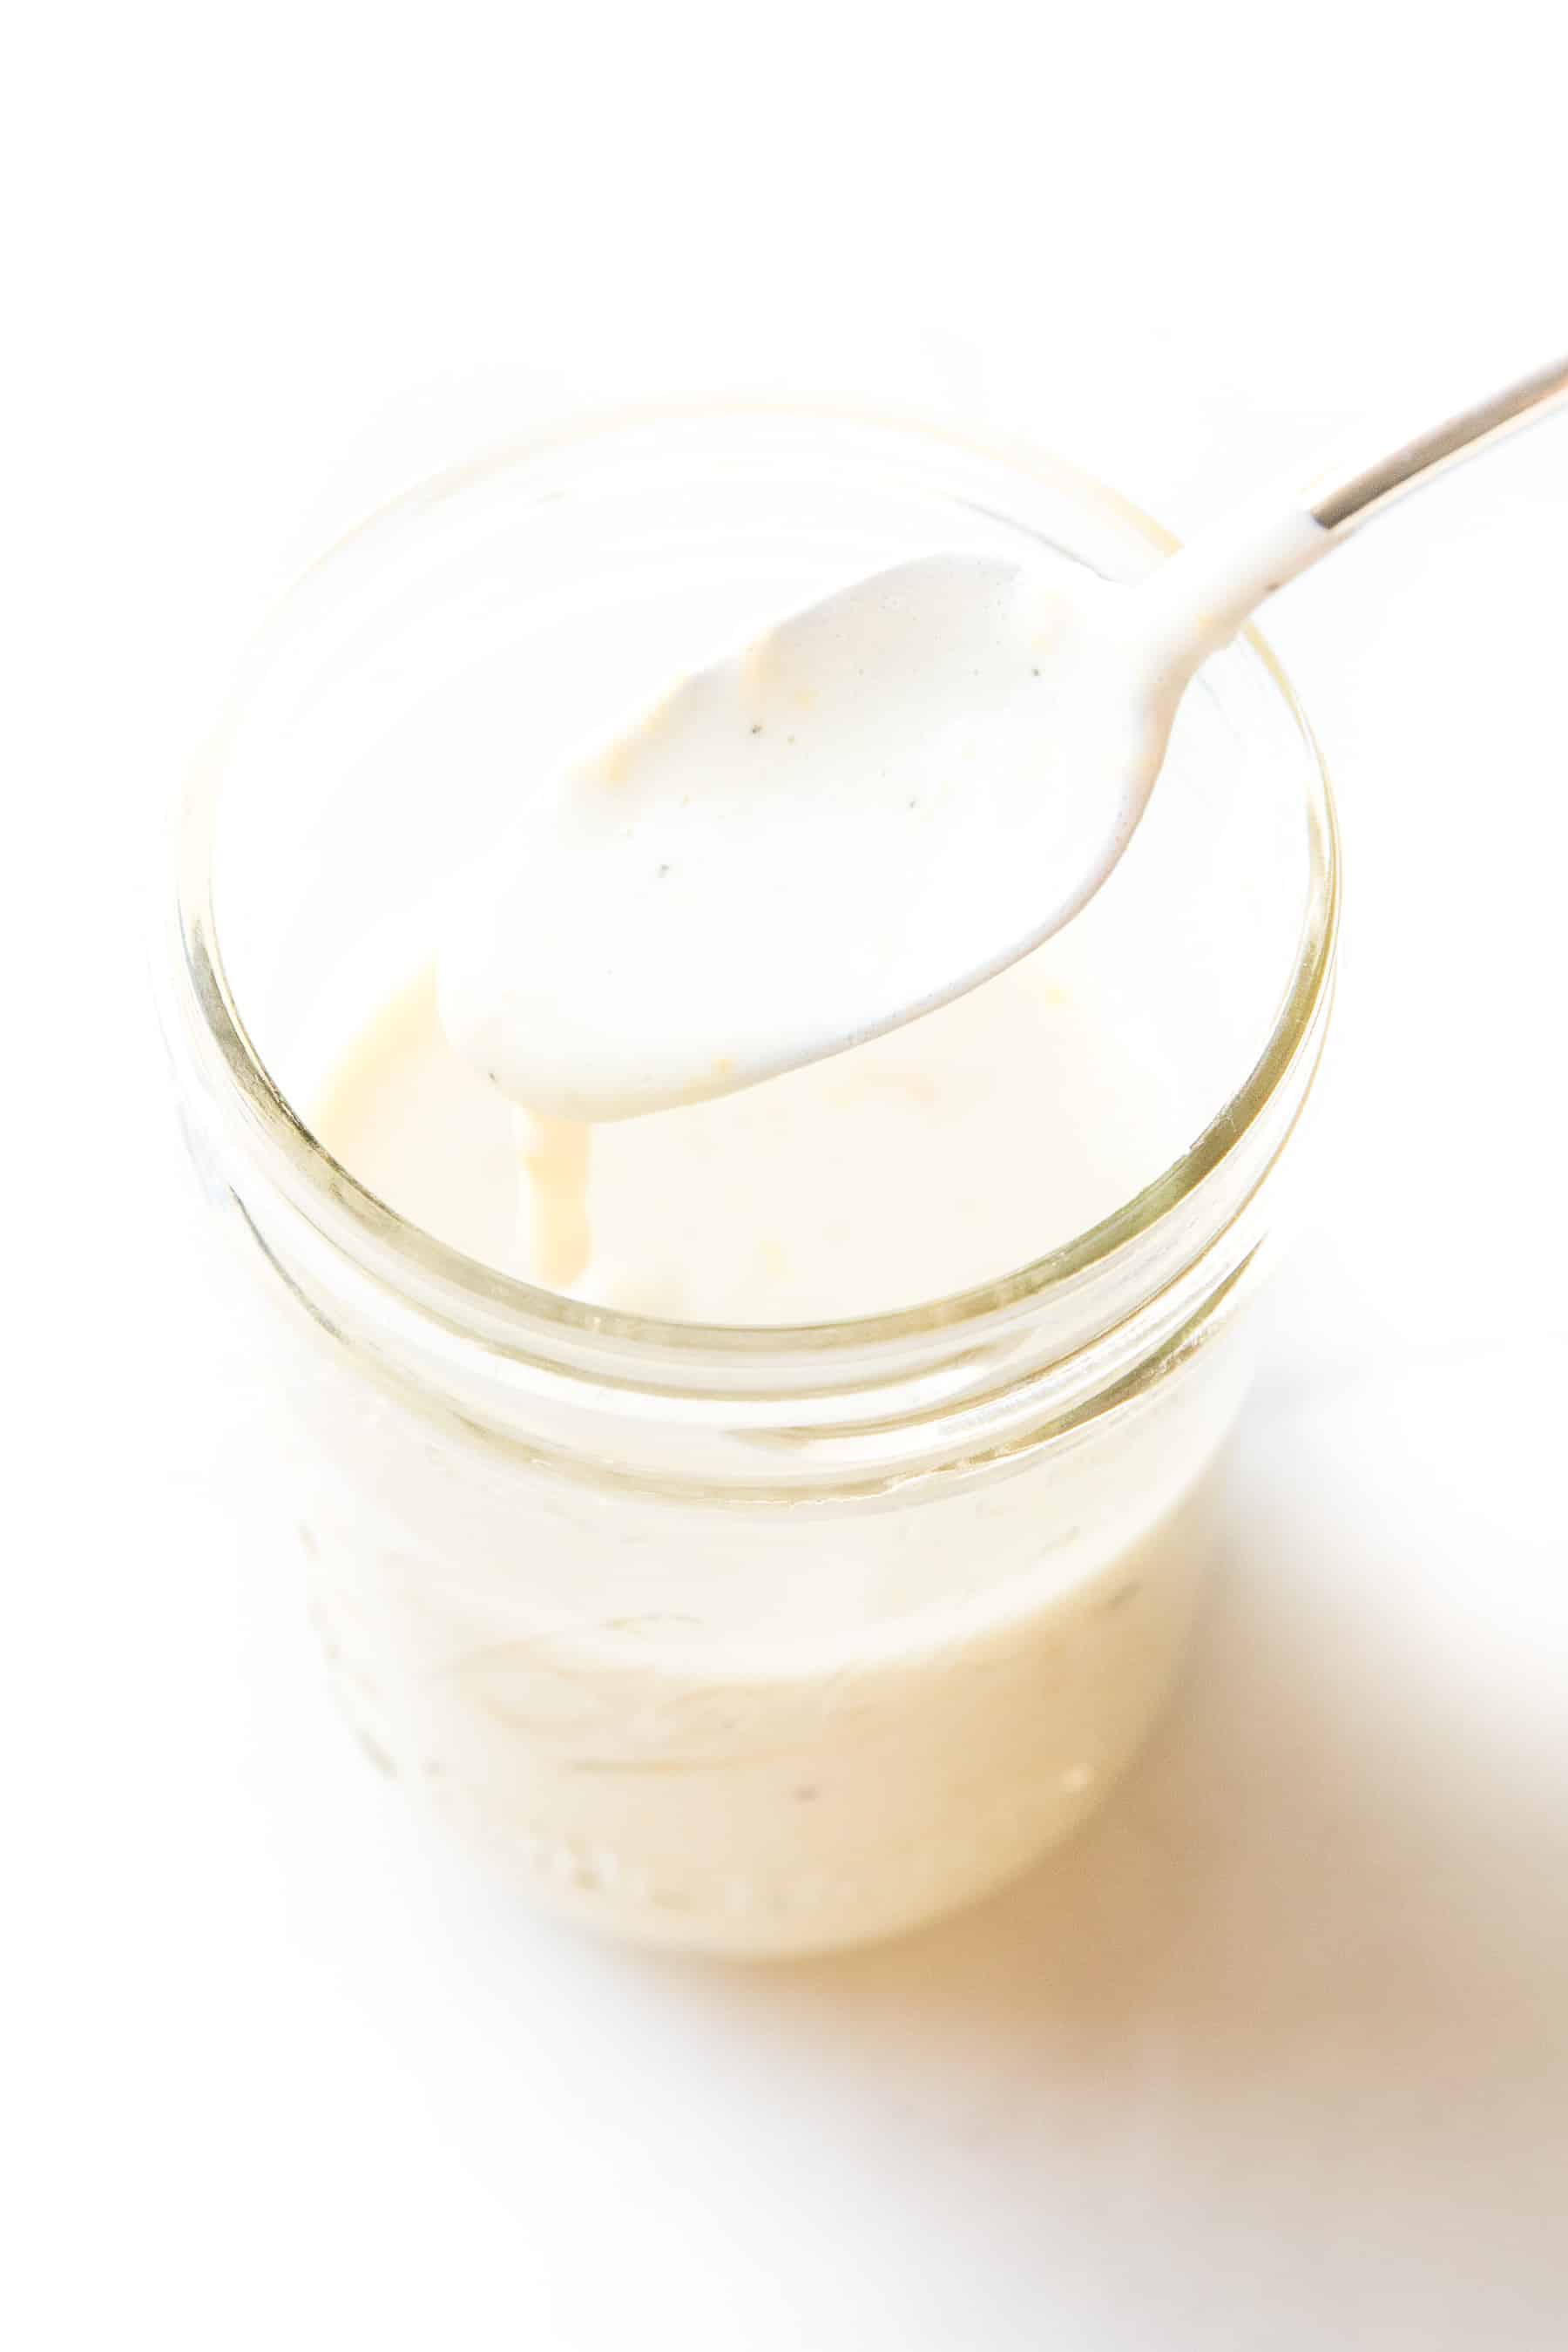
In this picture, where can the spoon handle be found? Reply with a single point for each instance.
(1342, 499)
(1200, 597)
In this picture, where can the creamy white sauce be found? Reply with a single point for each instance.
(882, 801)
(948, 1154)
(802, 1726)
(770, 1727)
(797, 847)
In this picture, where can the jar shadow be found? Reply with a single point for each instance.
(1311, 1964)
(1266, 1844)
(1277, 2046)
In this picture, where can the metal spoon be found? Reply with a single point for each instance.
(870, 810)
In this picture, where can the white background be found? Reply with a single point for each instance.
(1278, 2055)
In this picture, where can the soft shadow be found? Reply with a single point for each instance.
(1274, 2054)
(1293, 2010)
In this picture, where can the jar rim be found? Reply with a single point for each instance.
(334, 1199)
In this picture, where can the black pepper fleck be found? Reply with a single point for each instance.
(758, 727)
(662, 872)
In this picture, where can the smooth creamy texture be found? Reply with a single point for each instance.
(949, 1153)
(787, 1722)
(884, 799)
(791, 1720)
(879, 799)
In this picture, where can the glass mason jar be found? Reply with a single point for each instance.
(747, 1640)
